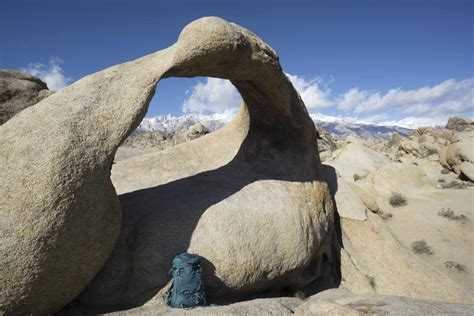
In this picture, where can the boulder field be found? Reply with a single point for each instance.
(250, 198)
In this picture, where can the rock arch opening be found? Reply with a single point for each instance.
(181, 110)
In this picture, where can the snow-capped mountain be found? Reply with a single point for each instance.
(171, 123)
(343, 127)
(337, 126)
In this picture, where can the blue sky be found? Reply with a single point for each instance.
(382, 61)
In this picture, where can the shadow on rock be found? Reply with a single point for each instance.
(159, 222)
(331, 275)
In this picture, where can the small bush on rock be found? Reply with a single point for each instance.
(431, 151)
(300, 294)
(445, 171)
(441, 180)
(450, 214)
(397, 199)
(384, 216)
(455, 266)
(357, 177)
(421, 247)
(371, 280)
(453, 185)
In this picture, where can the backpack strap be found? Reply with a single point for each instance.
(167, 295)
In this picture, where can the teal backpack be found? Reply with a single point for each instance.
(186, 289)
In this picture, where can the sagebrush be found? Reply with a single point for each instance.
(453, 185)
(455, 266)
(398, 199)
(384, 215)
(421, 247)
(445, 171)
(450, 214)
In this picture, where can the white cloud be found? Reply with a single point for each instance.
(218, 95)
(430, 105)
(426, 106)
(52, 73)
(375, 118)
(446, 97)
(215, 95)
(415, 122)
(351, 99)
(418, 109)
(315, 93)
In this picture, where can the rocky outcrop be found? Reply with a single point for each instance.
(330, 302)
(264, 306)
(156, 139)
(18, 91)
(161, 140)
(420, 143)
(373, 259)
(460, 124)
(191, 133)
(246, 197)
(342, 302)
(458, 156)
(355, 159)
(250, 198)
(327, 144)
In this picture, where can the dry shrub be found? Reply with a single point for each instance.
(450, 214)
(421, 247)
(445, 171)
(455, 266)
(397, 199)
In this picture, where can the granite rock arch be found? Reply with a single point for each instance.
(60, 214)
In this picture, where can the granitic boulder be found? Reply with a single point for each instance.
(191, 133)
(458, 156)
(150, 140)
(263, 306)
(374, 261)
(330, 302)
(327, 144)
(460, 124)
(342, 302)
(423, 142)
(355, 158)
(249, 198)
(18, 91)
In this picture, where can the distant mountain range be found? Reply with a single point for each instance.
(339, 127)
(171, 123)
(343, 127)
